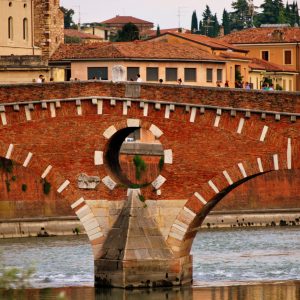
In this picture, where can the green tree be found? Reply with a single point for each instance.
(216, 26)
(194, 25)
(206, 25)
(129, 32)
(158, 31)
(68, 17)
(241, 17)
(226, 22)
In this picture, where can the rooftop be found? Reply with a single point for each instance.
(213, 43)
(80, 34)
(133, 50)
(260, 64)
(124, 20)
(263, 35)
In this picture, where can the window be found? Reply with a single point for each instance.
(98, 73)
(265, 55)
(132, 72)
(25, 29)
(152, 74)
(287, 57)
(10, 28)
(220, 75)
(171, 74)
(209, 75)
(190, 75)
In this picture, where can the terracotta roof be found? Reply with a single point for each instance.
(152, 32)
(132, 50)
(263, 35)
(233, 55)
(125, 20)
(213, 43)
(260, 64)
(80, 34)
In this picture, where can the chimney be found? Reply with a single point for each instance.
(221, 31)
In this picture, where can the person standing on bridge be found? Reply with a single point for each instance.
(138, 78)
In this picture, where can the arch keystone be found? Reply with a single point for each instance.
(109, 132)
(133, 122)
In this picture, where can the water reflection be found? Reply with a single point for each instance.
(263, 291)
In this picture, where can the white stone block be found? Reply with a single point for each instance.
(46, 172)
(156, 131)
(264, 133)
(9, 151)
(109, 182)
(3, 118)
(213, 186)
(98, 158)
(109, 132)
(168, 156)
(133, 122)
(77, 203)
(158, 182)
(27, 159)
(63, 186)
(200, 198)
(241, 126)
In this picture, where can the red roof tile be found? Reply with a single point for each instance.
(260, 64)
(80, 34)
(133, 50)
(125, 20)
(263, 35)
(206, 41)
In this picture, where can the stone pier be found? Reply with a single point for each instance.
(135, 253)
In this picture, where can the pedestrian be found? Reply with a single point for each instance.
(179, 81)
(138, 78)
(40, 79)
(226, 84)
(160, 80)
(247, 86)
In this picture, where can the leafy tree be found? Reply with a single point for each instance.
(129, 32)
(158, 31)
(240, 17)
(207, 22)
(226, 22)
(194, 25)
(68, 17)
(215, 26)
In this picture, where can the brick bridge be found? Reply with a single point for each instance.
(213, 141)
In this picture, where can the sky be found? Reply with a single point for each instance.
(166, 13)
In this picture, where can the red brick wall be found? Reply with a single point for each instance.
(201, 151)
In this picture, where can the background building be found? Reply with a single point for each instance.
(31, 30)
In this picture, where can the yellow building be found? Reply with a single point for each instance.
(155, 62)
(30, 31)
(274, 44)
(236, 58)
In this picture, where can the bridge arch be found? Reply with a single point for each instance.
(197, 207)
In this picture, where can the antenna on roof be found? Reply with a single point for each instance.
(180, 8)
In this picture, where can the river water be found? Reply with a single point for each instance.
(233, 264)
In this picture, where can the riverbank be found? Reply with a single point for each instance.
(70, 225)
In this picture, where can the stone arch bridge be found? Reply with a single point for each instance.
(213, 139)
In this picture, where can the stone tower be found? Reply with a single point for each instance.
(48, 26)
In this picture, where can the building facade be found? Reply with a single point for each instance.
(31, 31)
(274, 44)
